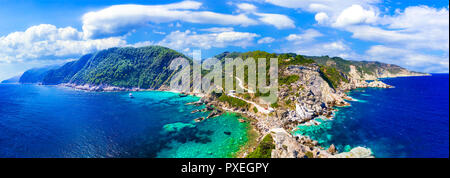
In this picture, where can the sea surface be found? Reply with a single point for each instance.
(410, 120)
(50, 121)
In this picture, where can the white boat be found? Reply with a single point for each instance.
(131, 95)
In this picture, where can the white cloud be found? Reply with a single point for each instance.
(355, 14)
(185, 40)
(48, 41)
(159, 32)
(280, 21)
(416, 38)
(418, 27)
(277, 20)
(266, 40)
(411, 59)
(321, 17)
(246, 7)
(307, 36)
(419, 16)
(178, 25)
(142, 44)
(306, 43)
(119, 19)
(332, 9)
(416, 34)
(335, 48)
(218, 29)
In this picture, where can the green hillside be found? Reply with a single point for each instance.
(145, 67)
(36, 75)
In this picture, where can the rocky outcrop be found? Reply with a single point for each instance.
(378, 84)
(358, 152)
(88, 87)
(332, 149)
(300, 102)
(288, 146)
(311, 95)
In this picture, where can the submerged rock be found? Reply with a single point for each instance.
(199, 119)
(176, 127)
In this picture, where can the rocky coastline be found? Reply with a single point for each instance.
(310, 97)
(300, 102)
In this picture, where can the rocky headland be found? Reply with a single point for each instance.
(308, 97)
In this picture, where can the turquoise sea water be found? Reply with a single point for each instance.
(48, 121)
(410, 120)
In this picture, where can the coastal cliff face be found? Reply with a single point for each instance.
(317, 87)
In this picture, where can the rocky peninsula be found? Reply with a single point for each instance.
(308, 97)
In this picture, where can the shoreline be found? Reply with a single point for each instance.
(254, 131)
(313, 121)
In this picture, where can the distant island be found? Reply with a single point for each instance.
(11, 80)
(309, 87)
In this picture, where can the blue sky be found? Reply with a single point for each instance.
(412, 34)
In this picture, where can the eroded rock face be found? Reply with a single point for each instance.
(313, 95)
(307, 98)
(288, 146)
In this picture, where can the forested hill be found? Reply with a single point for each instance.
(369, 68)
(36, 75)
(147, 67)
(335, 70)
(128, 67)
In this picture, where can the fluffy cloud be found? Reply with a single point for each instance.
(417, 38)
(306, 43)
(188, 39)
(48, 41)
(334, 48)
(307, 36)
(277, 20)
(218, 29)
(266, 40)
(327, 12)
(120, 19)
(246, 7)
(355, 14)
(280, 21)
(409, 58)
(321, 17)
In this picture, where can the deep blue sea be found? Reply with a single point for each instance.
(50, 121)
(410, 120)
